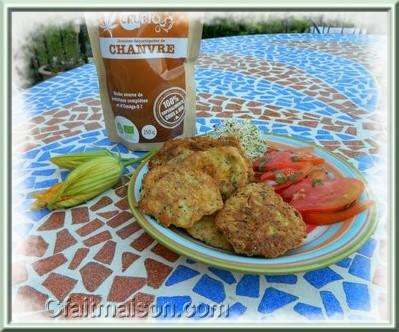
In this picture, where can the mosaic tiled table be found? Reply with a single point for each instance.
(319, 88)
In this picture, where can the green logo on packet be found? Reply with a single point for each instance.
(128, 130)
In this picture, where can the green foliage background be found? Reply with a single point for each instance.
(60, 48)
(224, 27)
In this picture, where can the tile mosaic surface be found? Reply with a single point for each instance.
(320, 88)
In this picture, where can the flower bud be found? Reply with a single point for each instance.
(73, 160)
(86, 181)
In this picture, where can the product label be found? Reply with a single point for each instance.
(144, 55)
(143, 48)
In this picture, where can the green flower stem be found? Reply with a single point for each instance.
(128, 162)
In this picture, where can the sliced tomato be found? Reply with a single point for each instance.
(299, 188)
(266, 176)
(327, 218)
(259, 165)
(285, 177)
(315, 177)
(277, 160)
(308, 157)
(294, 176)
(331, 195)
(318, 174)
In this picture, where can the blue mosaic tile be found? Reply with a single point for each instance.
(210, 288)
(274, 299)
(44, 172)
(309, 311)
(324, 137)
(357, 295)
(244, 88)
(331, 305)
(321, 65)
(63, 150)
(171, 306)
(79, 149)
(226, 276)
(283, 279)
(45, 184)
(181, 273)
(360, 267)
(44, 156)
(104, 142)
(248, 286)
(37, 165)
(345, 262)
(88, 140)
(365, 162)
(70, 139)
(64, 175)
(300, 128)
(368, 248)
(29, 182)
(205, 129)
(321, 277)
(51, 146)
(91, 133)
(36, 215)
(236, 310)
(31, 154)
(120, 148)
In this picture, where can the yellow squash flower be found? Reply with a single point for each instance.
(89, 178)
(86, 181)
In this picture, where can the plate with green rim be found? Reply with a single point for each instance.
(323, 246)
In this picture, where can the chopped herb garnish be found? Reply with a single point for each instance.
(293, 177)
(280, 177)
(317, 182)
(262, 164)
(295, 158)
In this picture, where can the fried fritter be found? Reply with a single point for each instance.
(181, 148)
(206, 231)
(224, 164)
(179, 195)
(257, 222)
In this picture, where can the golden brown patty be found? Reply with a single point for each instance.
(179, 149)
(224, 164)
(206, 231)
(179, 195)
(257, 222)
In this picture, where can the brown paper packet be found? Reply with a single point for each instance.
(145, 66)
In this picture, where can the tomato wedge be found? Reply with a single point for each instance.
(285, 177)
(328, 218)
(318, 174)
(277, 160)
(307, 149)
(331, 195)
(297, 189)
(259, 164)
(314, 178)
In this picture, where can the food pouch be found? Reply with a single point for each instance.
(145, 67)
